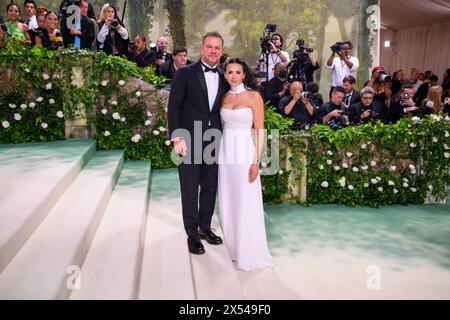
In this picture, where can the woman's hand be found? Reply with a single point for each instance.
(253, 173)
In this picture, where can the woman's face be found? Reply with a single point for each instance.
(110, 13)
(234, 74)
(140, 45)
(13, 13)
(51, 21)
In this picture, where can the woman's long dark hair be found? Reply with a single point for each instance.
(250, 78)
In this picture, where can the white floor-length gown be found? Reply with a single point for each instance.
(240, 202)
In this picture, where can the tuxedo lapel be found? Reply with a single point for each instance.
(202, 81)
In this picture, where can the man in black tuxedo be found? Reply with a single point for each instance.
(351, 95)
(194, 108)
(83, 35)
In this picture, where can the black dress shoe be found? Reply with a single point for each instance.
(209, 236)
(195, 245)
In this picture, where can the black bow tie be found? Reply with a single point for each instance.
(207, 69)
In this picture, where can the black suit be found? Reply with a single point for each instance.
(355, 98)
(87, 36)
(188, 103)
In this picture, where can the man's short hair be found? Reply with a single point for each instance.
(281, 38)
(213, 34)
(179, 50)
(434, 77)
(367, 90)
(350, 79)
(407, 86)
(313, 87)
(349, 43)
(339, 89)
(28, 2)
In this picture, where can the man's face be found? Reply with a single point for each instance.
(84, 8)
(140, 45)
(277, 41)
(277, 70)
(295, 87)
(337, 97)
(180, 59)
(162, 43)
(415, 74)
(30, 10)
(347, 51)
(348, 87)
(367, 99)
(211, 50)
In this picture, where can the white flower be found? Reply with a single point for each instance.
(121, 82)
(324, 184)
(355, 169)
(435, 139)
(405, 179)
(168, 142)
(44, 125)
(412, 145)
(329, 153)
(413, 171)
(395, 191)
(374, 181)
(5, 124)
(17, 117)
(446, 155)
(378, 178)
(366, 185)
(345, 165)
(104, 111)
(364, 168)
(149, 114)
(380, 189)
(447, 134)
(430, 187)
(23, 106)
(45, 76)
(32, 105)
(123, 119)
(392, 168)
(156, 132)
(138, 93)
(405, 184)
(27, 70)
(342, 181)
(49, 86)
(114, 103)
(446, 147)
(104, 83)
(263, 164)
(280, 172)
(321, 167)
(412, 167)
(51, 101)
(162, 129)
(413, 190)
(350, 187)
(349, 154)
(363, 146)
(337, 168)
(436, 118)
(12, 106)
(60, 114)
(40, 99)
(136, 138)
(329, 162)
(147, 123)
(269, 137)
(116, 116)
(415, 119)
(391, 183)
(107, 133)
(373, 163)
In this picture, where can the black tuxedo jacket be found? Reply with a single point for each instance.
(87, 33)
(188, 100)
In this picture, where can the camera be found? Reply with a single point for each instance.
(405, 96)
(4, 29)
(159, 54)
(338, 47)
(383, 77)
(267, 39)
(115, 24)
(338, 122)
(307, 95)
(132, 47)
(301, 54)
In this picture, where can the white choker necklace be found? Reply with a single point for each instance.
(238, 89)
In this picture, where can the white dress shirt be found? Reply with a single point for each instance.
(212, 84)
(273, 60)
(341, 70)
(32, 24)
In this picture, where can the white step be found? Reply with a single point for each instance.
(111, 269)
(46, 265)
(166, 268)
(33, 177)
(214, 273)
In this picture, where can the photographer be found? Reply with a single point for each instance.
(298, 106)
(402, 104)
(162, 55)
(343, 65)
(276, 88)
(316, 98)
(274, 55)
(366, 110)
(138, 52)
(381, 83)
(113, 36)
(303, 64)
(334, 113)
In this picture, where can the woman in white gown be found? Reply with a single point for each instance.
(240, 195)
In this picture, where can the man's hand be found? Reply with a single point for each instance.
(180, 147)
(285, 88)
(75, 31)
(366, 114)
(410, 109)
(273, 46)
(335, 113)
(160, 62)
(297, 96)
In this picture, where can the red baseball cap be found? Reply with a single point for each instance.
(377, 68)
